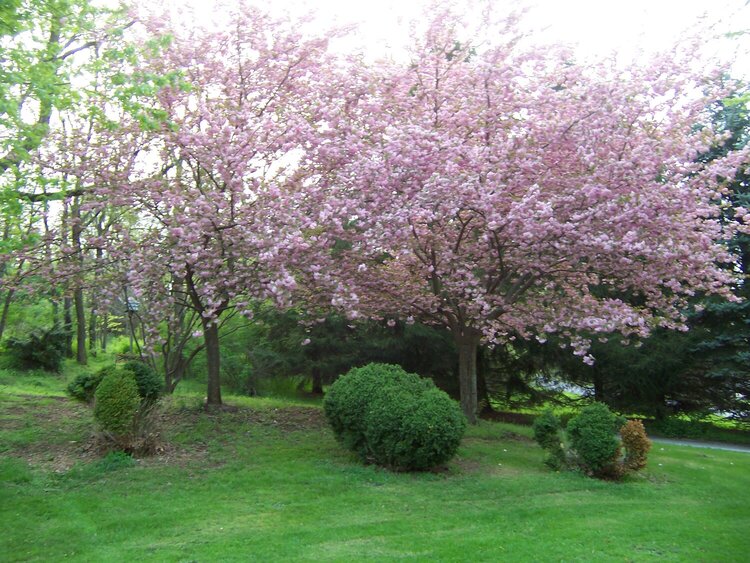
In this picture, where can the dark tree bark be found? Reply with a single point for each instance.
(6, 308)
(68, 326)
(317, 381)
(92, 331)
(104, 332)
(213, 356)
(76, 231)
(467, 342)
(80, 327)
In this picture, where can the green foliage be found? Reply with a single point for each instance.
(413, 427)
(42, 349)
(592, 438)
(150, 385)
(84, 385)
(255, 356)
(547, 433)
(347, 400)
(116, 403)
(393, 418)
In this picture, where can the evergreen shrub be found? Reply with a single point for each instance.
(592, 438)
(83, 387)
(42, 349)
(150, 385)
(547, 433)
(394, 418)
(116, 404)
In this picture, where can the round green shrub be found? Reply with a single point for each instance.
(84, 386)
(547, 430)
(547, 435)
(150, 385)
(592, 437)
(393, 418)
(413, 427)
(116, 402)
(348, 399)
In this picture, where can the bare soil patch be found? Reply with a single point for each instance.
(60, 417)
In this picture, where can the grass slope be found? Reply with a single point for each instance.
(268, 482)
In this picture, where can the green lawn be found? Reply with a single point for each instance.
(268, 482)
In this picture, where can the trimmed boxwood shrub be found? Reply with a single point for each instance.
(394, 418)
(347, 400)
(592, 437)
(116, 402)
(149, 383)
(547, 433)
(84, 385)
(417, 431)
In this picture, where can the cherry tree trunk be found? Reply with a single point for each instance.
(467, 344)
(213, 359)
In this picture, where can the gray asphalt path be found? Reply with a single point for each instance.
(699, 444)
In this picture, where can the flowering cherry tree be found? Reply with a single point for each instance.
(214, 230)
(507, 192)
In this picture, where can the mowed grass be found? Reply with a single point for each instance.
(268, 482)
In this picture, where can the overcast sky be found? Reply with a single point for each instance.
(594, 26)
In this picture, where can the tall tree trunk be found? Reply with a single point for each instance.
(92, 331)
(213, 357)
(6, 309)
(76, 231)
(93, 317)
(317, 381)
(68, 326)
(483, 394)
(598, 386)
(55, 310)
(468, 343)
(104, 331)
(80, 327)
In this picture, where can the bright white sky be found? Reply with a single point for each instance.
(593, 26)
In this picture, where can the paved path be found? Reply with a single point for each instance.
(699, 444)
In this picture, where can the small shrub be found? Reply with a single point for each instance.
(84, 385)
(150, 385)
(408, 430)
(393, 418)
(636, 444)
(547, 433)
(116, 405)
(347, 401)
(593, 440)
(43, 349)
